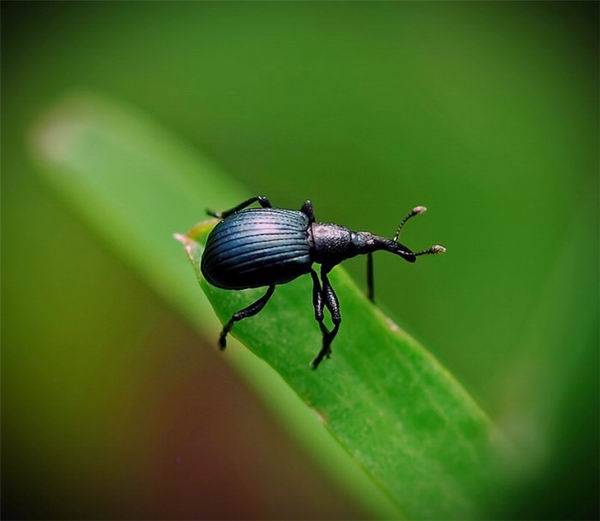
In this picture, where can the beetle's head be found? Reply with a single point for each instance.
(406, 253)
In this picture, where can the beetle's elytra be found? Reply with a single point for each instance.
(268, 246)
(257, 247)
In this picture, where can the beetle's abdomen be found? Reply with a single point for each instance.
(257, 247)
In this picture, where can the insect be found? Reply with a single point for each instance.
(256, 247)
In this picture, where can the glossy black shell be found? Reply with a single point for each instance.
(257, 247)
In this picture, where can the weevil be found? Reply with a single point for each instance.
(257, 247)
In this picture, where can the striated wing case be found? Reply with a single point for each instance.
(257, 247)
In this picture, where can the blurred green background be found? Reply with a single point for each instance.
(486, 113)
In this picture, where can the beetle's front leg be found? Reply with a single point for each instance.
(261, 199)
(333, 305)
(318, 304)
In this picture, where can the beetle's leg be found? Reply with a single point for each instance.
(370, 282)
(261, 199)
(317, 296)
(318, 303)
(250, 311)
(333, 305)
(307, 209)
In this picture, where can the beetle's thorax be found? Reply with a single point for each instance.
(332, 243)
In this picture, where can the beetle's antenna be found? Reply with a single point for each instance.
(413, 213)
(436, 249)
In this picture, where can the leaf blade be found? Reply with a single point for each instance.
(137, 185)
(435, 437)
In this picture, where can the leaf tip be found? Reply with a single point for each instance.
(188, 243)
(180, 237)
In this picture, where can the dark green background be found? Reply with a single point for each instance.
(486, 113)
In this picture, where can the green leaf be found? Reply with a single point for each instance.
(408, 439)
(381, 395)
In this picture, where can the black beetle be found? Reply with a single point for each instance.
(255, 247)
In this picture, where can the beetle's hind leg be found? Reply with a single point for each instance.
(325, 296)
(261, 199)
(250, 311)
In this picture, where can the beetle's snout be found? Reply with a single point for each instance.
(405, 252)
(408, 256)
(396, 248)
